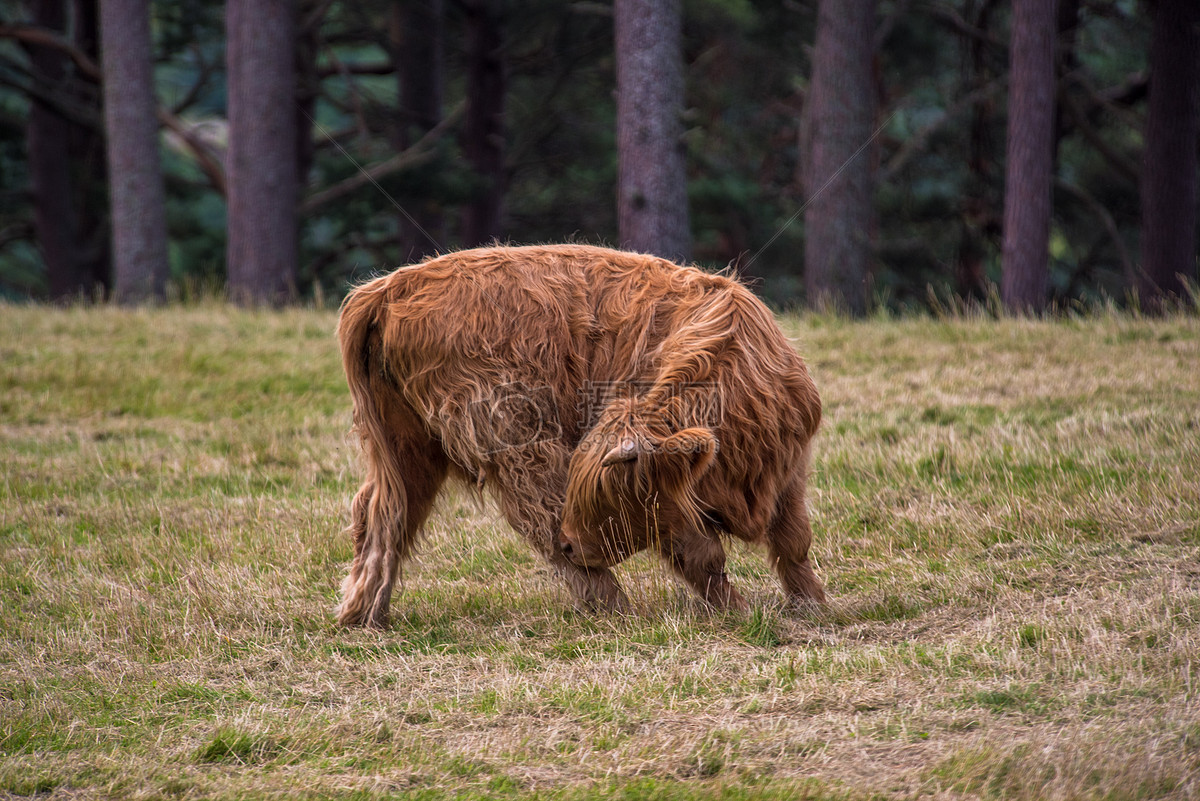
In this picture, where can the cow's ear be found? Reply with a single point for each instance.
(698, 445)
(626, 450)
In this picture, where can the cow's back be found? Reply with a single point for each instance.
(483, 339)
(554, 314)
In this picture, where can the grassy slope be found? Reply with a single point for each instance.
(1007, 514)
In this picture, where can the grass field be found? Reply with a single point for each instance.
(1007, 517)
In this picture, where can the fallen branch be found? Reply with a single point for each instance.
(16, 76)
(954, 20)
(421, 152)
(915, 143)
(1117, 100)
(32, 34)
(210, 164)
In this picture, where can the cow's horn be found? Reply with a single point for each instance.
(625, 452)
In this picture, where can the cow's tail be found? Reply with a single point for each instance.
(377, 513)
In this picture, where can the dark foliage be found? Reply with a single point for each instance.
(940, 78)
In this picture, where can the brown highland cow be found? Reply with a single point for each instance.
(611, 401)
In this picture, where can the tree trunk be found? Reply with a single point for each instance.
(483, 131)
(261, 253)
(652, 204)
(135, 173)
(48, 141)
(307, 82)
(67, 160)
(1169, 163)
(89, 167)
(1030, 154)
(980, 218)
(841, 111)
(417, 39)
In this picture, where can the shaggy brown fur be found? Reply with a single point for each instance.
(611, 401)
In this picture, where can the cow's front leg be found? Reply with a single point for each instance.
(699, 559)
(788, 541)
(532, 502)
(596, 588)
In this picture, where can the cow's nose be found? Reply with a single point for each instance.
(567, 548)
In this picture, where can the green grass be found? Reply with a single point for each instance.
(1007, 518)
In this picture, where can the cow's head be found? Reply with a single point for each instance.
(630, 482)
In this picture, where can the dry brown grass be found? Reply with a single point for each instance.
(1007, 516)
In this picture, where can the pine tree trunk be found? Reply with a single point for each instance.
(483, 130)
(307, 79)
(841, 110)
(262, 249)
(1169, 162)
(418, 35)
(49, 166)
(1030, 155)
(89, 167)
(980, 215)
(135, 173)
(652, 204)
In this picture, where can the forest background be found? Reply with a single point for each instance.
(419, 127)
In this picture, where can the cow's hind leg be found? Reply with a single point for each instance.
(385, 517)
(699, 559)
(788, 540)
